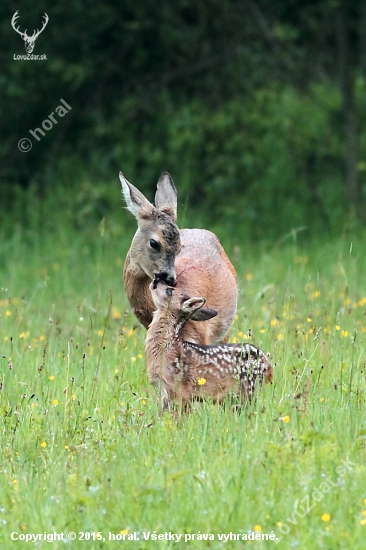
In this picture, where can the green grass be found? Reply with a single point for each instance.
(84, 447)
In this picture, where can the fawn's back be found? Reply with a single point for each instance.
(219, 369)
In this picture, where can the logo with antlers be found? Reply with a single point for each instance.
(28, 40)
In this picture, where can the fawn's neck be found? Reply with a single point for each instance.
(162, 345)
(163, 333)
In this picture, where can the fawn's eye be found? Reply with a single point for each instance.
(154, 244)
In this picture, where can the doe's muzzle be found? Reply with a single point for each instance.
(165, 277)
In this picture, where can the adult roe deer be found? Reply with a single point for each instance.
(184, 370)
(193, 260)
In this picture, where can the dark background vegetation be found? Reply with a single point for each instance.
(256, 108)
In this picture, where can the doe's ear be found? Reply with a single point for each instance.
(166, 195)
(135, 200)
(203, 314)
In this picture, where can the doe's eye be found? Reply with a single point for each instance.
(154, 244)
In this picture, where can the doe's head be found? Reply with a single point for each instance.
(157, 240)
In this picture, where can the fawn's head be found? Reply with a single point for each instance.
(178, 303)
(157, 240)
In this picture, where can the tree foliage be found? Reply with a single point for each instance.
(256, 108)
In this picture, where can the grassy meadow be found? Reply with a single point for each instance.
(85, 448)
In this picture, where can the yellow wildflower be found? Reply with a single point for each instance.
(201, 381)
(115, 313)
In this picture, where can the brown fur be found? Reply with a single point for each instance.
(193, 258)
(178, 366)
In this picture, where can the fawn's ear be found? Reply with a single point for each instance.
(135, 200)
(166, 195)
(203, 314)
(190, 305)
(193, 306)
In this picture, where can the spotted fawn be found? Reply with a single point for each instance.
(185, 370)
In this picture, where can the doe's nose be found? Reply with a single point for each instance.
(169, 279)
